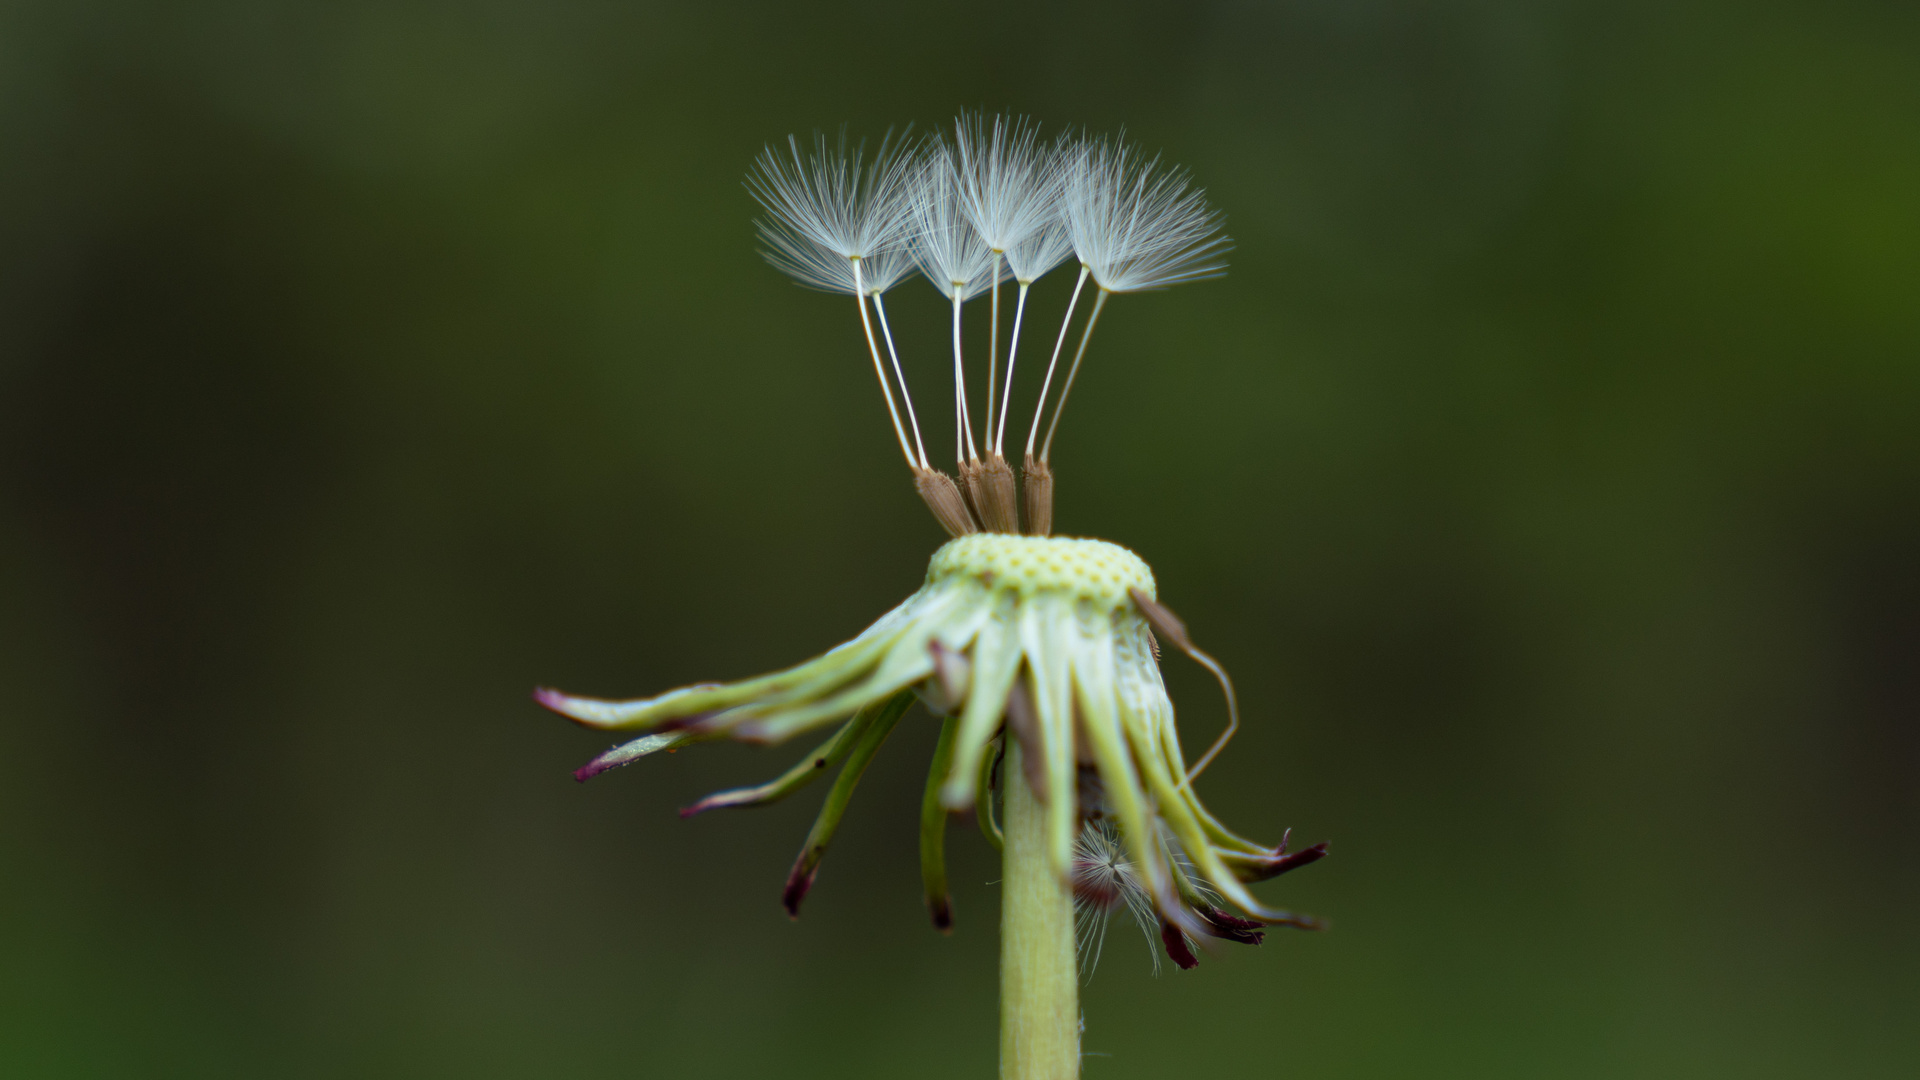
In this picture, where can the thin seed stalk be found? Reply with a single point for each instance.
(1039, 983)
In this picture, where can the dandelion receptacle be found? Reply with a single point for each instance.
(1038, 655)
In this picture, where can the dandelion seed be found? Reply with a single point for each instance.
(1010, 194)
(1135, 226)
(1105, 884)
(828, 213)
(955, 260)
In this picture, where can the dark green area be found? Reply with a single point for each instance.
(1547, 471)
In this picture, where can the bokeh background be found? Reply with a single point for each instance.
(1547, 470)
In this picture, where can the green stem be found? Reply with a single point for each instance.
(1039, 983)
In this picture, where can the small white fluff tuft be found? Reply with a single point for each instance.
(1136, 225)
(1105, 883)
(1009, 188)
(834, 207)
(888, 267)
(1031, 258)
(1049, 245)
(948, 249)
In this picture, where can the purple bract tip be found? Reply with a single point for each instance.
(798, 883)
(1177, 947)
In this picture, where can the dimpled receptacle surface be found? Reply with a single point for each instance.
(1086, 569)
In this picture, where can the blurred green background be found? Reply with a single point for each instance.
(1547, 470)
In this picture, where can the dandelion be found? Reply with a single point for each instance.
(1038, 654)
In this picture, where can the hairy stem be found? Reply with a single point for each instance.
(1039, 984)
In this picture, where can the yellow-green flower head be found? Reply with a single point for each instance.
(1046, 640)
(1041, 644)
